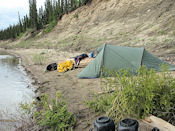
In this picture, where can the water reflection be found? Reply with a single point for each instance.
(15, 86)
(8, 60)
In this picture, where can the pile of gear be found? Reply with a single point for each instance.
(113, 58)
(66, 65)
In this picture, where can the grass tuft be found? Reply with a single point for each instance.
(39, 59)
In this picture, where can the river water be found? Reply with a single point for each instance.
(15, 88)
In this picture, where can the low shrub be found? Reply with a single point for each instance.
(52, 115)
(76, 15)
(101, 103)
(50, 26)
(137, 96)
(20, 35)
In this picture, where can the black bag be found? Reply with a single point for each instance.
(51, 67)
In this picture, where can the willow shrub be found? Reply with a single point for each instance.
(52, 114)
(138, 95)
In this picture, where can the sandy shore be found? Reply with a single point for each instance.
(75, 91)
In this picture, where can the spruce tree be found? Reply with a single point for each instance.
(33, 14)
(20, 24)
(72, 5)
(66, 7)
(62, 7)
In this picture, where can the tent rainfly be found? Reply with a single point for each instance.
(114, 58)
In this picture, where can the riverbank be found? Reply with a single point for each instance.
(15, 88)
(75, 91)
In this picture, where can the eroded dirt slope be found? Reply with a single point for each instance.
(124, 22)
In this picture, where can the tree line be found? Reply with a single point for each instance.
(52, 11)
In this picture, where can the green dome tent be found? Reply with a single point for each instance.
(114, 58)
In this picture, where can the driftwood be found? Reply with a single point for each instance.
(159, 123)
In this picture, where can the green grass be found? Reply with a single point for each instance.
(4, 44)
(39, 59)
(79, 42)
(161, 32)
(44, 44)
(23, 44)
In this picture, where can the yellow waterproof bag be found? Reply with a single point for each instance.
(65, 66)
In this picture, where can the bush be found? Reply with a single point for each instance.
(138, 96)
(20, 35)
(76, 15)
(101, 103)
(50, 26)
(53, 115)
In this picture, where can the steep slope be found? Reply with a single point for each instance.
(126, 22)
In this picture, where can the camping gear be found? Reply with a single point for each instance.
(155, 129)
(51, 67)
(79, 58)
(85, 62)
(65, 66)
(92, 54)
(128, 125)
(104, 124)
(114, 58)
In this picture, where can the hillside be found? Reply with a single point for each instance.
(124, 22)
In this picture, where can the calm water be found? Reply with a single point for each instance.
(15, 86)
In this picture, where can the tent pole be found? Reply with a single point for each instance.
(142, 57)
(102, 62)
